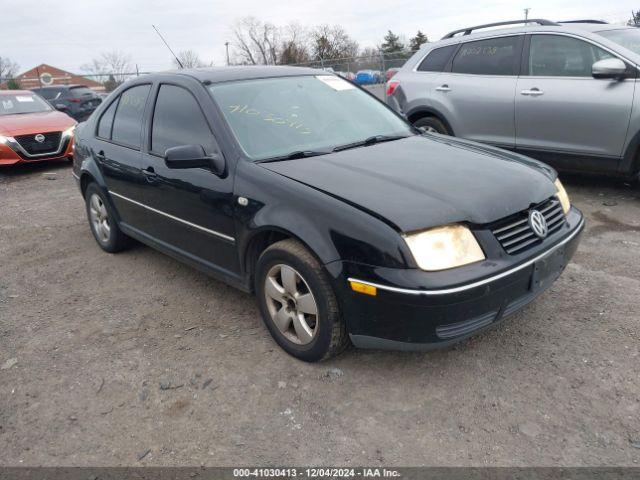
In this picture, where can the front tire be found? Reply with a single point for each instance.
(103, 221)
(298, 304)
(431, 125)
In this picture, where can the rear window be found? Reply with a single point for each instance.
(494, 56)
(80, 92)
(437, 59)
(49, 93)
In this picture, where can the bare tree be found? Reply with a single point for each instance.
(256, 42)
(190, 59)
(294, 47)
(115, 63)
(332, 42)
(8, 68)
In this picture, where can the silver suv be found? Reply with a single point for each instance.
(560, 92)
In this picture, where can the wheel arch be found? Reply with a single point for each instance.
(422, 112)
(259, 241)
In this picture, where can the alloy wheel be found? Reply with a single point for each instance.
(99, 218)
(291, 304)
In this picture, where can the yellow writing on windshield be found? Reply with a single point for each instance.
(290, 121)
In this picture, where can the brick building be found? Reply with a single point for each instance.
(45, 75)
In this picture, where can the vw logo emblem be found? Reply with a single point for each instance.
(39, 138)
(538, 223)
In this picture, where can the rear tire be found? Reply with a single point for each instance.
(298, 304)
(431, 125)
(102, 221)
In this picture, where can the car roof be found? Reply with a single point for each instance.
(16, 92)
(50, 87)
(226, 74)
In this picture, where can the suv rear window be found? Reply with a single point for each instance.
(437, 59)
(49, 93)
(76, 92)
(493, 56)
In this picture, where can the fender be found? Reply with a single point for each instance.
(423, 111)
(314, 216)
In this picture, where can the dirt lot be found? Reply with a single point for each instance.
(135, 359)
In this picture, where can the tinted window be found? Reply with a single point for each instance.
(128, 120)
(49, 93)
(494, 56)
(560, 56)
(437, 59)
(80, 92)
(178, 120)
(104, 126)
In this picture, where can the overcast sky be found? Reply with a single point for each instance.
(68, 34)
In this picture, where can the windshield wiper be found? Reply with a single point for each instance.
(294, 155)
(370, 141)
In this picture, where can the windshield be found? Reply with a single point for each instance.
(628, 38)
(277, 116)
(11, 104)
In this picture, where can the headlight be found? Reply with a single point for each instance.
(68, 132)
(562, 196)
(444, 247)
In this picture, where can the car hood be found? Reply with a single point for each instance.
(426, 181)
(26, 123)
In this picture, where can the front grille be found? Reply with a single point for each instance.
(515, 235)
(33, 147)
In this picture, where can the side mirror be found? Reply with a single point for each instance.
(609, 68)
(61, 107)
(193, 156)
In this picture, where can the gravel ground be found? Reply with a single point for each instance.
(136, 359)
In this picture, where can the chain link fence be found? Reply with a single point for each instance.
(371, 71)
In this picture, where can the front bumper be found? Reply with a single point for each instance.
(416, 310)
(11, 154)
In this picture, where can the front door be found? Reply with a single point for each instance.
(189, 210)
(562, 109)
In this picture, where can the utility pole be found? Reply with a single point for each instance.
(526, 14)
(226, 44)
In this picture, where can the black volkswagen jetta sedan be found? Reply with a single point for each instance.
(347, 223)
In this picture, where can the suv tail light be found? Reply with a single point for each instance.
(391, 88)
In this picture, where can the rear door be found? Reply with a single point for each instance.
(416, 87)
(477, 95)
(562, 109)
(190, 210)
(117, 150)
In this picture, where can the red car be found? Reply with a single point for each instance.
(31, 130)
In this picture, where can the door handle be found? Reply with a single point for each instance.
(534, 92)
(443, 88)
(100, 156)
(150, 174)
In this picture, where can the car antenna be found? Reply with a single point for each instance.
(165, 42)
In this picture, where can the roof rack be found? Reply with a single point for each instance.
(596, 22)
(468, 30)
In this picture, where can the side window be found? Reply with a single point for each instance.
(127, 123)
(106, 121)
(178, 120)
(494, 56)
(437, 59)
(560, 56)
